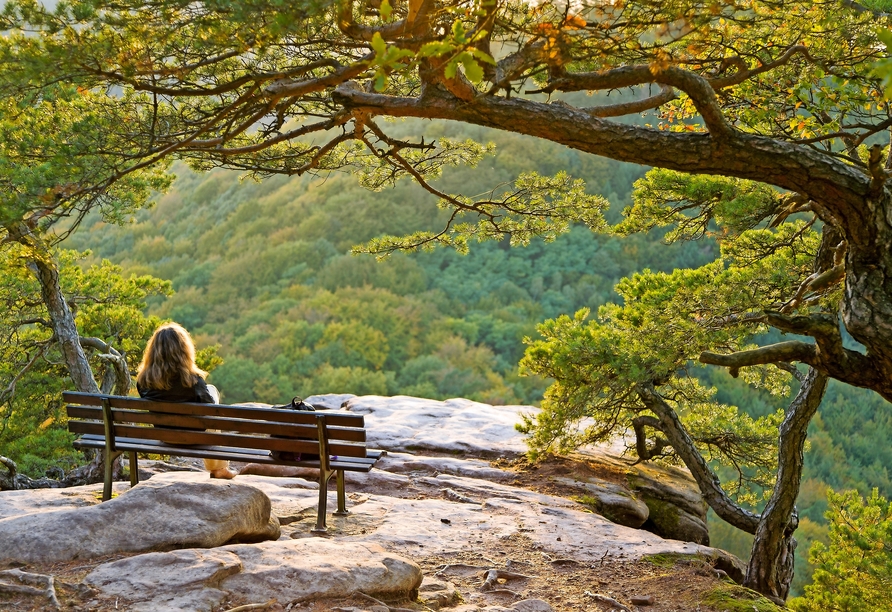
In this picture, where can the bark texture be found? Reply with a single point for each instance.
(770, 569)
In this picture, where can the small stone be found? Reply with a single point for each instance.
(642, 600)
(531, 605)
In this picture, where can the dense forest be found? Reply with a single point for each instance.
(263, 270)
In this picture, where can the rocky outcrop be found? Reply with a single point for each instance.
(661, 499)
(289, 570)
(154, 515)
(180, 528)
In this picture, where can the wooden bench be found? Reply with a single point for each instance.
(131, 425)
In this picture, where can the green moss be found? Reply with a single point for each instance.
(662, 514)
(670, 559)
(733, 598)
(594, 504)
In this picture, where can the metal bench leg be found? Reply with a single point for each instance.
(110, 453)
(320, 528)
(109, 466)
(134, 469)
(342, 498)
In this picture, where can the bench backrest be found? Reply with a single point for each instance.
(215, 424)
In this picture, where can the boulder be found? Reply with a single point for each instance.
(435, 593)
(154, 515)
(287, 571)
(662, 499)
(676, 507)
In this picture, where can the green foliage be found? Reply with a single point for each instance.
(62, 154)
(733, 598)
(108, 306)
(854, 570)
(538, 206)
(690, 203)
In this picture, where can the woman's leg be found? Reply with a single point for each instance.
(219, 468)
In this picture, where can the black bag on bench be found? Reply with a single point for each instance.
(296, 404)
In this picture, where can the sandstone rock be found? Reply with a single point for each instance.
(288, 571)
(675, 506)
(612, 501)
(726, 562)
(313, 568)
(411, 423)
(436, 593)
(168, 581)
(151, 516)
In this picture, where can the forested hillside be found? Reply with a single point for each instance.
(264, 270)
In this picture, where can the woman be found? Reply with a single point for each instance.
(168, 373)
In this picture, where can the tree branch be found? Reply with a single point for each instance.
(684, 446)
(667, 94)
(837, 185)
(697, 87)
(793, 350)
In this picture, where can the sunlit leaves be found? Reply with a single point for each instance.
(535, 206)
(696, 205)
(387, 58)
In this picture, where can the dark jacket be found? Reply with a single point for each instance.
(178, 393)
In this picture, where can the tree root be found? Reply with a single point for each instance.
(456, 496)
(381, 603)
(492, 576)
(253, 606)
(445, 568)
(610, 601)
(559, 561)
(46, 584)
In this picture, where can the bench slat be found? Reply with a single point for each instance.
(209, 452)
(210, 438)
(268, 427)
(333, 417)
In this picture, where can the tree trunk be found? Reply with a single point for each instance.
(867, 303)
(45, 269)
(62, 320)
(770, 570)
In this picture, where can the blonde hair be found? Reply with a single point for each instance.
(170, 354)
